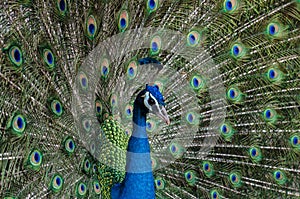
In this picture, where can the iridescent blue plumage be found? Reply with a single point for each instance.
(139, 181)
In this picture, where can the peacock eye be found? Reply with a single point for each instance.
(151, 101)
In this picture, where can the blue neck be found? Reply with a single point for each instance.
(138, 151)
(139, 122)
(139, 181)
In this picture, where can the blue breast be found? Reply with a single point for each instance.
(139, 181)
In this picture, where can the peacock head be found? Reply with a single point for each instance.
(153, 102)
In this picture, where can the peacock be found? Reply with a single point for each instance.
(139, 182)
(150, 99)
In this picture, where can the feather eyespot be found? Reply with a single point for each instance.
(155, 45)
(113, 100)
(104, 68)
(128, 111)
(92, 149)
(49, 59)
(35, 159)
(18, 124)
(273, 29)
(132, 70)
(91, 27)
(56, 108)
(154, 163)
(208, 169)
(270, 115)
(159, 183)
(95, 169)
(86, 166)
(69, 145)
(98, 107)
(83, 80)
(226, 131)
(234, 94)
(255, 154)
(123, 22)
(152, 5)
(238, 51)
(197, 82)
(15, 55)
(295, 141)
(81, 189)
(193, 38)
(235, 179)
(62, 6)
(230, 5)
(176, 150)
(276, 30)
(96, 187)
(190, 177)
(279, 177)
(86, 123)
(128, 132)
(150, 125)
(56, 183)
(192, 118)
(274, 75)
(214, 194)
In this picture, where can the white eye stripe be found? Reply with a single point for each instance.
(146, 101)
(147, 96)
(153, 98)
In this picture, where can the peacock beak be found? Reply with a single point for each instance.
(162, 114)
